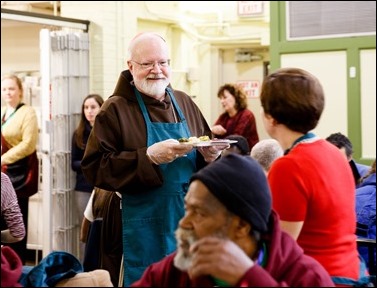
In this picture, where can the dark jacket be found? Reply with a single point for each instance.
(287, 265)
(77, 154)
(115, 156)
(366, 213)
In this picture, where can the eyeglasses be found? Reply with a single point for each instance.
(150, 65)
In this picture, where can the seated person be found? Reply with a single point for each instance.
(12, 223)
(366, 213)
(265, 152)
(240, 147)
(344, 144)
(230, 236)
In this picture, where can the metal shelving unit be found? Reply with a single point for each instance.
(65, 83)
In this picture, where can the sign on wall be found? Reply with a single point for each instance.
(251, 88)
(250, 8)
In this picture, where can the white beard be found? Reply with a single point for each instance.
(186, 238)
(157, 88)
(183, 258)
(181, 261)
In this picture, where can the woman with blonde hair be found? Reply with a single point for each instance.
(19, 137)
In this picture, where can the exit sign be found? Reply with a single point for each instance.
(250, 8)
(250, 87)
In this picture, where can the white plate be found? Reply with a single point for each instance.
(212, 143)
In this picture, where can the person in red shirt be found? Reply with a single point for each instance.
(312, 186)
(236, 118)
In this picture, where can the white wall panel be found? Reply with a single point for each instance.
(331, 70)
(368, 103)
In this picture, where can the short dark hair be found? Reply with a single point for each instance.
(294, 98)
(341, 141)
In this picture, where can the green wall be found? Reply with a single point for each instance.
(352, 45)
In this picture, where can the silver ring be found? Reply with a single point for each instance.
(176, 156)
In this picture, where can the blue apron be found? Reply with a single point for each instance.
(150, 218)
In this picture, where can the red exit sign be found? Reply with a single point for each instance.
(250, 8)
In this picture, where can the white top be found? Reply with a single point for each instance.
(88, 213)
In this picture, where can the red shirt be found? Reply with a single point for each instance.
(314, 184)
(243, 123)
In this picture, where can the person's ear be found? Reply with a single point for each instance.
(243, 228)
(130, 65)
(270, 120)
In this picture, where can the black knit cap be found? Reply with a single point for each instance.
(240, 184)
(241, 143)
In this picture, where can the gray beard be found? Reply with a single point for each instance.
(183, 258)
(181, 261)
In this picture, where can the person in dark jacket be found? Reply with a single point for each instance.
(345, 146)
(83, 189)
(230, 236)
(366, 213)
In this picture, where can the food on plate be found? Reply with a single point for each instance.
(193, 140)
(183, 140)
(204, 138)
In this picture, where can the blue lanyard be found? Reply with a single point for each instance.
(303, 138)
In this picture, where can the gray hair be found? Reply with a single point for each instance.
(265, 152)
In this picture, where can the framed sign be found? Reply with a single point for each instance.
(251, 88)
(250, 8)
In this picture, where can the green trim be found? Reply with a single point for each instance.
(352, 45)
(354, 103)
(275, 34)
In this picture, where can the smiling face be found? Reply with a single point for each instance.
(204, 216)
(153, 79)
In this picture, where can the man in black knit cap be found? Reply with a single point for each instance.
(230, 236)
